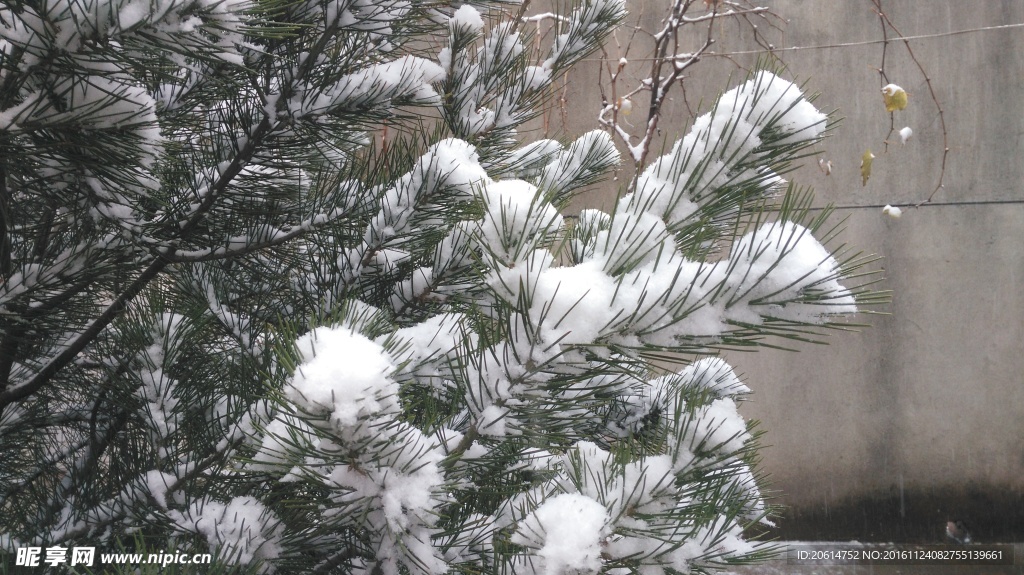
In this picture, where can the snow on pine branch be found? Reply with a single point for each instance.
(493, 88)
(447, 172)
(407, 78)
(74, 26)
(727, 146)
(586, 22)
(158, 390)
(97, 101)
(587, 160)
(647, 513)
(240, 531)
(786, 274)
(345, 392)
(631, 286)
(489, 87)
(375, 22)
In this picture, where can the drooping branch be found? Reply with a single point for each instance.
(887, 22)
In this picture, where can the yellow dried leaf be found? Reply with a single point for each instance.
(865, 167)
(895, 98)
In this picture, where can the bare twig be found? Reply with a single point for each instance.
(668, 64)
(521, 13)
(545, 16)
(883, 78)
(715, 14)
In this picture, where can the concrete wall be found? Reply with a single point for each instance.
(889, 432)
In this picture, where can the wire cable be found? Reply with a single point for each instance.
(852, 44)
(921, 205)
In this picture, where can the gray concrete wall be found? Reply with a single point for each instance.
(888, 432)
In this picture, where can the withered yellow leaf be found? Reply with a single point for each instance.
(895, 98)
(865, 167)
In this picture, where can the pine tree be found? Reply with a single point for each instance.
(283, 283)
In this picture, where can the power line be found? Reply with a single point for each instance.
(854, 44)
(901, 206)
(923, 205)
(878, 41)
